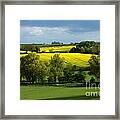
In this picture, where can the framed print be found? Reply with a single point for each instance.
(60, 59)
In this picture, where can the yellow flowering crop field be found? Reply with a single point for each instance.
(78, 59)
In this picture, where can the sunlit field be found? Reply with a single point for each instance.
(73, 58)
(56, 48)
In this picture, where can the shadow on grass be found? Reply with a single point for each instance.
(74, 98)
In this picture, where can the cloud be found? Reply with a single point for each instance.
(35, 31)
(48, 34)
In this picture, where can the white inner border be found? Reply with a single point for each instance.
(15, 13)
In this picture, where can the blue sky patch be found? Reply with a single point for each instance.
(65, 31)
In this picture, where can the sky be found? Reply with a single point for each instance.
(63, 31)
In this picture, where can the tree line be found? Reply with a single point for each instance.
(34, 71)
(86, 47)
(30, 47)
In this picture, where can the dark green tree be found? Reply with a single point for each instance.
(94, 62)
(87, 47)
(72, 50)
(37, 49)
(32, 68)
(56, 67)
(68, 73)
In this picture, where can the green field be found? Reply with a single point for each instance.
(78, 59)
(58, 93)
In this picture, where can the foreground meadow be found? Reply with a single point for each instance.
(58, 93)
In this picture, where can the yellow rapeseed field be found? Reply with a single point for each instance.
(56, 48)
(78, 59)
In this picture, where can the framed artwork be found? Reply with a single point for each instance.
(60, 59)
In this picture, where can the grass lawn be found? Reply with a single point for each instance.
(57, 93)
